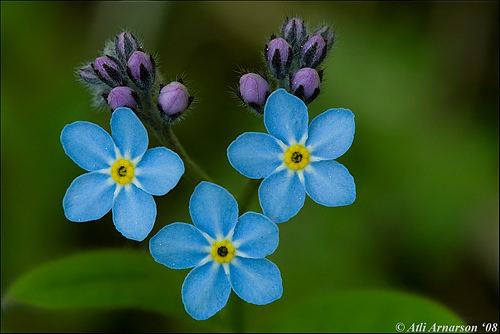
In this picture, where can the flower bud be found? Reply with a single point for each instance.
(125, 44)
(294, 31)
(173, 100)
(87, 74)
(313, 51)
(279, 56)
(122, 97)
(108, 70)
(305, 84)
(328, 35)
(254, 90)
(141, 69)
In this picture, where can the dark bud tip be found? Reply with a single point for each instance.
(108, 70)
(314, 51)
(328, 35)
(294, 31)
(279, 57)
(141, 69)
(125, 45)
(320, 73)
(88, 75)
(190, 100)
(304, 84)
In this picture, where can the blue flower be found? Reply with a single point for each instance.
(294, 159)
(226, 251)
(123, 175)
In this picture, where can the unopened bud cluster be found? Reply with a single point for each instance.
(293, 60)
(127, 76)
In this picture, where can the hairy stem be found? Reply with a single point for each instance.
(245, 198)
(195, 168)
(284, 83)
(167, 137)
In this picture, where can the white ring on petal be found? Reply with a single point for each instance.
(300, 174)
(117, 190)
(206, 259)
(282, 144)
(118, 155)
(226, 268)
(104, 171)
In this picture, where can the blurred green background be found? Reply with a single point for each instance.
(422, 79)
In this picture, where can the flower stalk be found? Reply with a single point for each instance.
(127, 76)
(197, 173)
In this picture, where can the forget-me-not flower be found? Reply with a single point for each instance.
(295, 159)
(122, 174)
(226, 251)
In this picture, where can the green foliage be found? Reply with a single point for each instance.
(107, 279)
(357, 311)
(100, 279)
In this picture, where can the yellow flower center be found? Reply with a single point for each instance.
(223, 251)
(296, 157)
(122, 171)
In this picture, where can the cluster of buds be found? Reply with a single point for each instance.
(127, 76)
(293, 62)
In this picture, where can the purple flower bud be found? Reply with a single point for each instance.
(122, 97)
(141, 69)
(88, 75)
(305, 84)
(294, 31)
(173, 100)
(108, 70)
(328, 35)
(279, 56)
(125, 44)
(313, 51)
(254, 90)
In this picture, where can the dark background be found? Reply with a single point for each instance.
(421, 78)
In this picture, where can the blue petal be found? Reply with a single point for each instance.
(281, 196)
(257, 281)
(134, 213)
(89, 197)
(213, 209)
(128, 132)
(179, 246)
(255, 155)
(159, 170)
(329, 183)
(205, 290)
(255, 235)
(285, 117)
(88, 145)
(331, 133)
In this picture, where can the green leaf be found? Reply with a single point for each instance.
(356, 311)
(101, 279)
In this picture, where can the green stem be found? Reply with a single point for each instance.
(193, 166)
(238, 315)
(167, 137)
(284, 83)
(245, 198)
